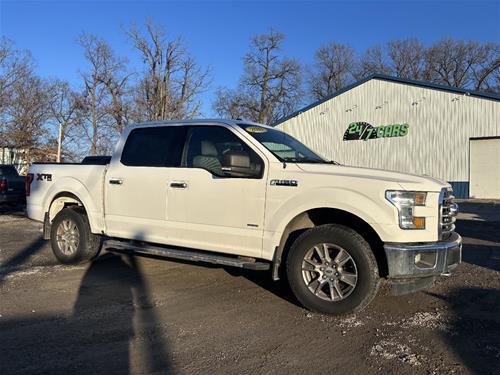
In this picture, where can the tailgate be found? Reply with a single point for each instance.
(16, 185)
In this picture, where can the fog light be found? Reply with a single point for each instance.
(426, 260)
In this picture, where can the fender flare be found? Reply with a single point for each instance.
(292, 216)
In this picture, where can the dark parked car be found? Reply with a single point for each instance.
(12, 186)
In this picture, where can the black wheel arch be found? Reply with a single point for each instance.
(320, 216)
(48, 218)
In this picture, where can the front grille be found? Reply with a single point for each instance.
(448, 211)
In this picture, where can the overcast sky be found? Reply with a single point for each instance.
(218, 32)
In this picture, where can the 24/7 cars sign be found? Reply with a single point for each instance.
(364, 131)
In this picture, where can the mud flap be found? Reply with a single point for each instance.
(46, 227)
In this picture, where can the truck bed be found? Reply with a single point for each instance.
(82, 180)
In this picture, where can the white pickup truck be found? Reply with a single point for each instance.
(242, 194)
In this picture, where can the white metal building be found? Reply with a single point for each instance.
(408, 126)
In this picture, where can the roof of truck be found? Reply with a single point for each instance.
(230, 122)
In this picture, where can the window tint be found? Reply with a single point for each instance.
(8, 170)
(154, 147)
(208, 146)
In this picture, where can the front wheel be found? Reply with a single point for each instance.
(331, 269)
(70, 236)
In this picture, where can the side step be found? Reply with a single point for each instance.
(184, 254)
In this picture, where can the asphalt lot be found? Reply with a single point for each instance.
(139, 315)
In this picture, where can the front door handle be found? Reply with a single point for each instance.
(178, 185)
(116, 181)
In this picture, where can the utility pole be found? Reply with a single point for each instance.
(59, 143)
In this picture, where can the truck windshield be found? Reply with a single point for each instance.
(283, 146)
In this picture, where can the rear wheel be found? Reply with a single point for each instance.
(331, 269)
(71, 239)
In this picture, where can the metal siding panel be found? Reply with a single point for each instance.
(441, 124)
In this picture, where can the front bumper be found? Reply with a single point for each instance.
(410, 261)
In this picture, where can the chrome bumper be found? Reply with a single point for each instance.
(407, 260)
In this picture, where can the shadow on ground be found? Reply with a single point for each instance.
(279, 288)
(475, 330)
(15, 263)
(112, 314)
(18, 210)
(485, 249)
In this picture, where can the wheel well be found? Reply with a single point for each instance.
(61, 201)
(320, 216)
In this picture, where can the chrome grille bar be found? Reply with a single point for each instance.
(448, 211)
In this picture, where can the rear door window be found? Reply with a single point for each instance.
(154, 147)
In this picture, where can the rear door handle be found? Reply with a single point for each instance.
(178, 185)
(116, 181)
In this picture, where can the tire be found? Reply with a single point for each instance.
(329, 285)
(80, 244)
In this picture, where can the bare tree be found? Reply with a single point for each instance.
(399, 58)
(101, 107)
(64, 112)
(172, 80)
(462, 64)
(447, 63)
(407, 58)
(14, 66)
(333, 69)
(373, 61)
(25, 117)
(119, 107)
(486, 71)
(270, 85)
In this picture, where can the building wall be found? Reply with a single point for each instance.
(437, 143)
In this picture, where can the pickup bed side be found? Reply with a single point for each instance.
(55, 186)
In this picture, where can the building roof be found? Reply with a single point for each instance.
(406, 81)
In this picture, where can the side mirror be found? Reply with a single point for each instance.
(237, 164)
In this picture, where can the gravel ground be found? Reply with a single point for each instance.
(139, 315)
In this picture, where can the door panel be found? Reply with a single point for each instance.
(214, 213)
(136, 186)
(136, 208)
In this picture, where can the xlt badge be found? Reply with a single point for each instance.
(44, 176)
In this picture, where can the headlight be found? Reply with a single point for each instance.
(405, 202)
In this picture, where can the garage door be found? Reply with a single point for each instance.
(485, 168)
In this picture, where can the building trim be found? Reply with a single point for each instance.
(484, 138)
(382, 77)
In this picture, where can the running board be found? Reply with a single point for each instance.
(185, 254)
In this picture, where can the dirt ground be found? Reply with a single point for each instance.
(139, 315)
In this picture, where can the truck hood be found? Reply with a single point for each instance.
(406, 180)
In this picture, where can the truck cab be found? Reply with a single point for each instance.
(248, 195)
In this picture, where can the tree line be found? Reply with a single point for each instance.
(50, 119)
